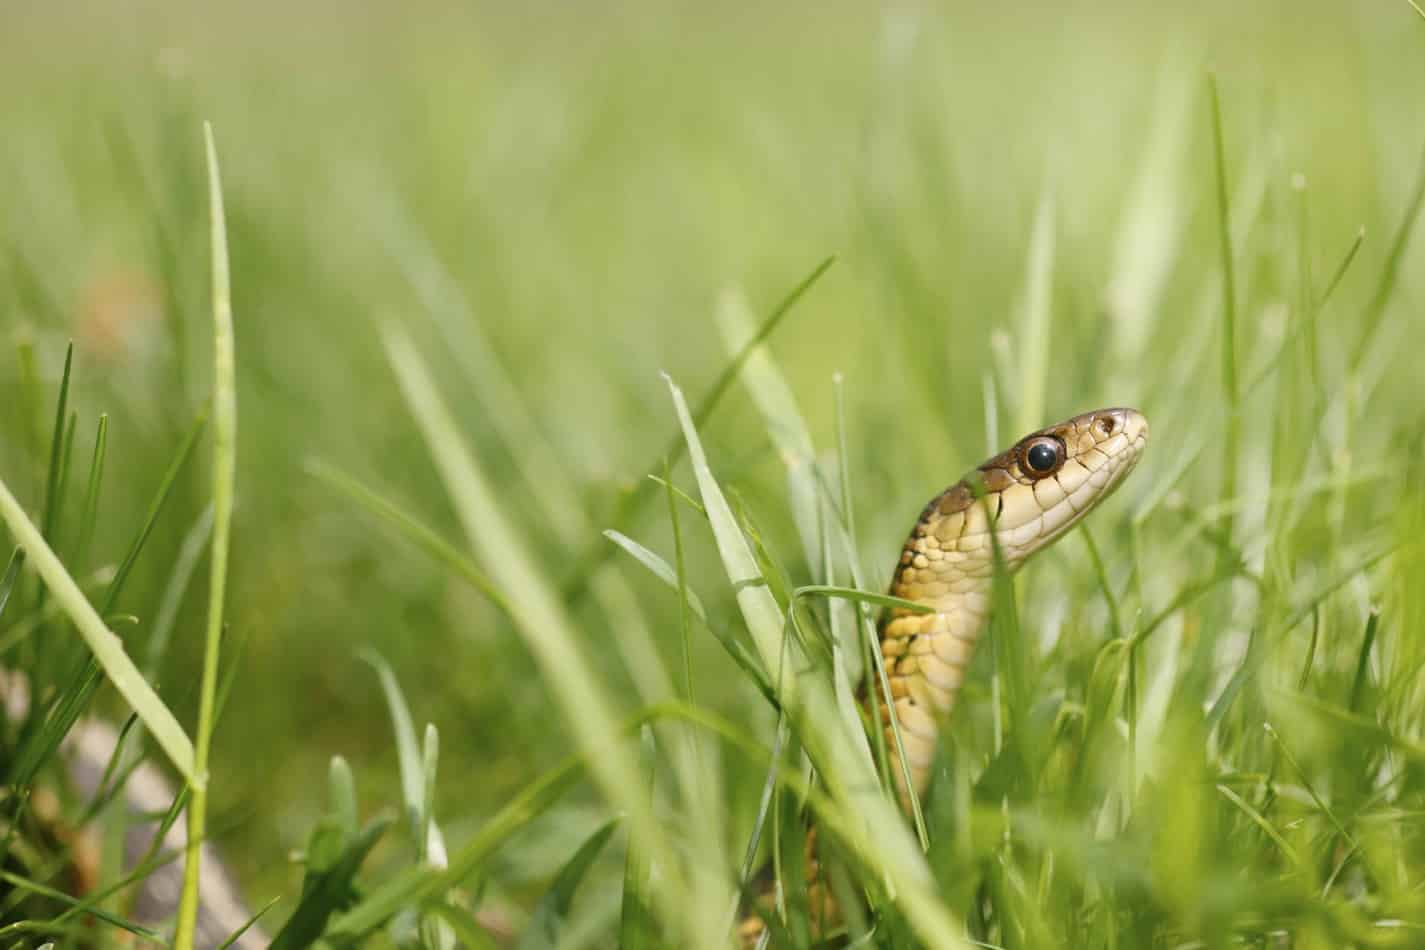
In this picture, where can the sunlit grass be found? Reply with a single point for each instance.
(614, 614)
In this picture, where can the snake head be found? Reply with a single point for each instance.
(1053, 477)
(1032, 493)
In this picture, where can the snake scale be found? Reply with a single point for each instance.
(1032, 493)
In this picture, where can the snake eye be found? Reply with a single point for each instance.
(1042, 456)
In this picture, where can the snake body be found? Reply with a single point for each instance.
(1018, 502)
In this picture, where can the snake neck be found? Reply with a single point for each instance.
(947, 564)
(926, 656)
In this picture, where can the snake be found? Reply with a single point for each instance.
(1009, 508)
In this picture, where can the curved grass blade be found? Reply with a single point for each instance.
(735, 648)
(34, 887)
(862, 597)
(660, 568)
(635, 499)
(876, 833)
(413, 530)
(544, 624)
(236, 935)
(408, 753)
(107, 648)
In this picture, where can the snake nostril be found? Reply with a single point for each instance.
(1107, 424)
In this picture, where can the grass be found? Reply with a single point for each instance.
(617, 618)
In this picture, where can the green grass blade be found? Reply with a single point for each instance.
(416, 884)
(107, 648)
(90, 513)
(224, 471)
(543, 465)
(408, 753)
(1358, 684)
(406, 525)
(778, 406)
(15, 880)
(465, 928)
(686, 598)
(735, 648)
(637, 928)
(759, 609)
(56, 450)
(341, 796)
(195, 542)
(660, 569)
(432, 845)
(1357, 725)
(1231, 392)
(1258, 819)
(542, 620)
(847, 770)
(634, 500)
(329, 891)
(862, 597)
(248, 924)
(155, 508)
(1385, 287)
(11, 576)
(66, 466)
(545, 925)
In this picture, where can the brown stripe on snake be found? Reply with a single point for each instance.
(1033, 493)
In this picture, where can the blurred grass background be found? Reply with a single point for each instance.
(553, 200)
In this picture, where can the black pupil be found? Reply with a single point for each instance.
(1042, 456)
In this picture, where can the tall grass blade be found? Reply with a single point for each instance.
(634, 500)
(1231, 392)
(56, 450)
(1358, 684)
(195, 542)
(783, 418)
(875, 832)
(541, 619)
(1385, 287)
(224, 469)
(408, 751)
(735, 648)
(90, 513)
(637, 927)
(543, 465)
